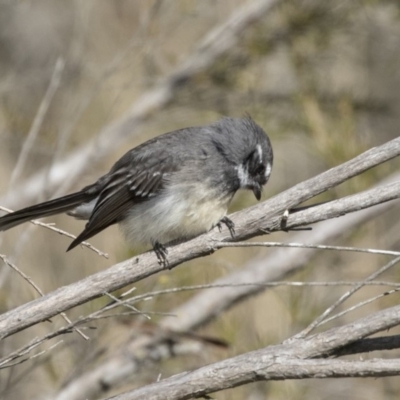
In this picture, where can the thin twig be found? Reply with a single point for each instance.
(361, 304)
(126, 304)
(308, 246)
(67, 329)
(32, 357)
(150, 295)
(24, 276)
(343, 298)
(97, 314)
(62, 232)
(36, 287)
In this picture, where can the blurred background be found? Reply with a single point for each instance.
(322, 79)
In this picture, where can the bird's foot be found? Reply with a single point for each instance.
(229, 224)
(161, 253)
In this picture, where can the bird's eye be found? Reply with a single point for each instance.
(260, 170)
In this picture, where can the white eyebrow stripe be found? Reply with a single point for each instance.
(268, 169)
(259, 151)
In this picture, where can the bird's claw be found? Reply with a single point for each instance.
(229, 224)
(161, 253)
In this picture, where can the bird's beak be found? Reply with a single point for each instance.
(257, 191)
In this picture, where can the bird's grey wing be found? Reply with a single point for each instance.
(132, 183)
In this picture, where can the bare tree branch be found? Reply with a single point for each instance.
(294, 359)
(250, 222)
(206, 305)
(252, 369)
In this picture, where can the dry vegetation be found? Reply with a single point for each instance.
(81, 81)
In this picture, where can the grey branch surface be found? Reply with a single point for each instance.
(368, 345)
(293, 359)
(215, 43)
(256, 367)
(250, 222)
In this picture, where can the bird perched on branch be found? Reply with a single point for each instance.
(173, 187)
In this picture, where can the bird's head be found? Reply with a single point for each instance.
(255, 170)
(248, 151)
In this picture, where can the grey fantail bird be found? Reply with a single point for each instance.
(173, 187)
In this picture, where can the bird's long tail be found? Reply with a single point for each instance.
(51, 207)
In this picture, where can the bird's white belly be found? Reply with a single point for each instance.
(185, 212)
